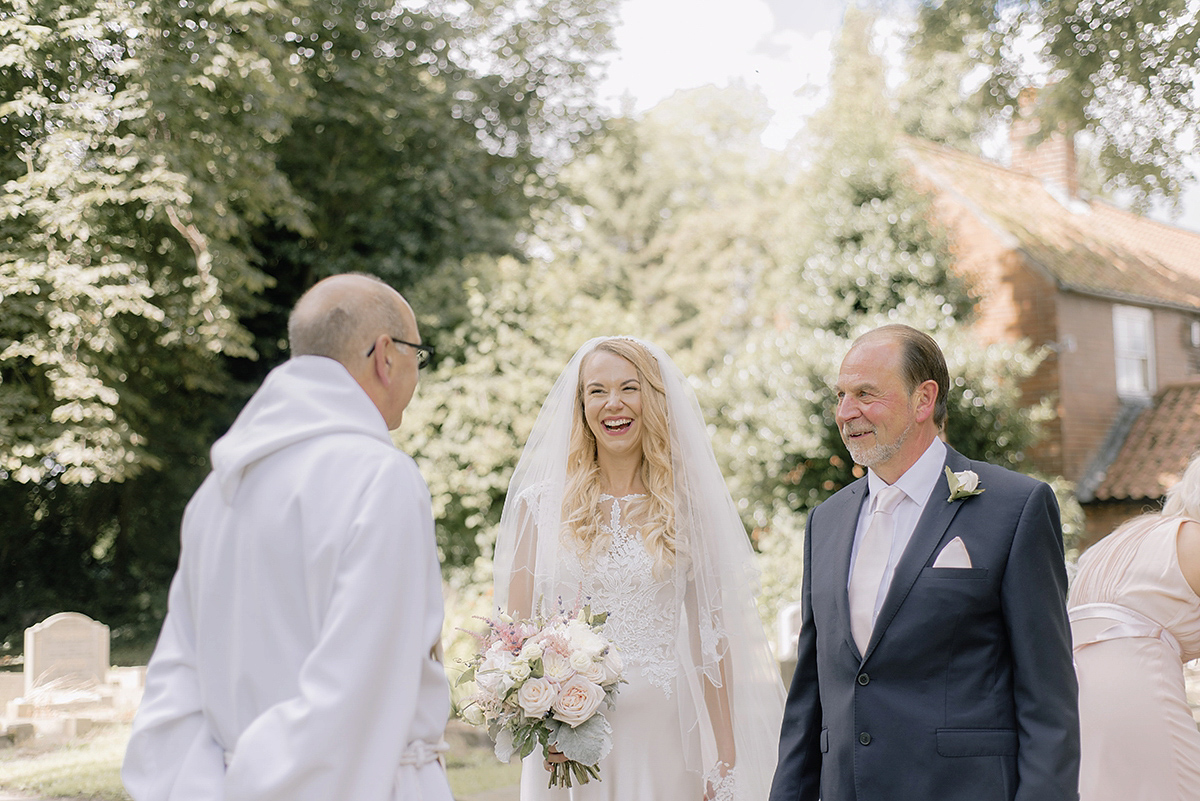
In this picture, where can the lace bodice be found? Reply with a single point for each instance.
(642, 610)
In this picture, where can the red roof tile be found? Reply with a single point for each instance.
(1086, 246)
(1159, 445)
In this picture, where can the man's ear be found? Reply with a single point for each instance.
(381, 359)
(925, 395)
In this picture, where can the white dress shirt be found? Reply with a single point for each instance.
(918, 483)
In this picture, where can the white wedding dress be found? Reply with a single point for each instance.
(647, 761)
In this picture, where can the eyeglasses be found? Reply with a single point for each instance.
(425, 353)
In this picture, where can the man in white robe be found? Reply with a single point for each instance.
(298, 659)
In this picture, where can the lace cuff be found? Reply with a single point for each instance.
(720, 782)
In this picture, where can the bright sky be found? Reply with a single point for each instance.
(783, 47)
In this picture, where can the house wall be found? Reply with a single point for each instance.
(1176, 359)
(1101, 518)
(1015, 301)
(1088, 402)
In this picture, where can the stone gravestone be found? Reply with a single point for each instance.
(67, 646)
(786, 631)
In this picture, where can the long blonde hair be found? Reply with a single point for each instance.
(581, 498)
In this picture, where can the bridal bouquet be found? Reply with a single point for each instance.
(541, 682)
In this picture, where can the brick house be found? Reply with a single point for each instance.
(1115, 298)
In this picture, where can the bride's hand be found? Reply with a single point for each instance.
(556, 757)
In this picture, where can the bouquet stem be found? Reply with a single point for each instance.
(562, 773)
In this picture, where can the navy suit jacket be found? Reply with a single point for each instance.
(967, 689)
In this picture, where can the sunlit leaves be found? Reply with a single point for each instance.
(1124, 71)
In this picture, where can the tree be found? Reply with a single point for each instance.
(865, 251)
(655, 235)
(174, 174)
(1125, 72)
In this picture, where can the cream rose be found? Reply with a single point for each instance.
(531, 651)
(519, 670)
(492, 674)
(614, 665)
(594, 672)
(968, 480)
(556, 667)
(472, 714)
(577, 701)
(581, 661)
(536, 696)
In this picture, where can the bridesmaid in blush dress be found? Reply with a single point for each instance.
(1135, 620)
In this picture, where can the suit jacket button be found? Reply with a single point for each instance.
(864, 679)
(864, 738)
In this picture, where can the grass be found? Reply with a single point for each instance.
(90, 768)
(478, 770)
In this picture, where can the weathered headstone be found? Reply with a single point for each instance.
(67, 646)
(788, 629)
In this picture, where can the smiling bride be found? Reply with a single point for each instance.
(618, 502)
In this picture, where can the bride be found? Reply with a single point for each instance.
(618, 502)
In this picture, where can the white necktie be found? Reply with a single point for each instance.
(874, 551)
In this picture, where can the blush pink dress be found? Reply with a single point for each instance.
(1135, 621)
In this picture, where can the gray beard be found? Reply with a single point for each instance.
(880, 451)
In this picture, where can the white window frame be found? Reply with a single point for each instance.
(1125, 352)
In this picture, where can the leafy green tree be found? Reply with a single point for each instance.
(656, 229)
(174, 174)
(1123, 71)
(870, 253)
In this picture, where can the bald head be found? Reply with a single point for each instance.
(340, 316)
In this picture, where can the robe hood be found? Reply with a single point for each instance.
(304, 398)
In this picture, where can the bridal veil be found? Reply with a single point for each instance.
(720, 639)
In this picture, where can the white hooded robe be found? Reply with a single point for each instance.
(297, 648)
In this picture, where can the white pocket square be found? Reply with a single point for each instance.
(953, 555)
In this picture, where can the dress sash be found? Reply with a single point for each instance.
(1126, 623)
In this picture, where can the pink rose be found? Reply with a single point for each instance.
(536, 696)
(577, 701)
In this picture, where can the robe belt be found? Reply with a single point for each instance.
(1126, 623)
(418, 754)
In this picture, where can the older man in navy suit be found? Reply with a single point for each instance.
(934, 658)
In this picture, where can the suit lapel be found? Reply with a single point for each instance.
(847, 523)
(932, 525)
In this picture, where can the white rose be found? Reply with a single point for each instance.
(968, 480)
(595, 672)
(582, 638)
(536, 696)
(556, 667)
(577, 701)
(581, 660)
(531, 651)
(519, 670)
(472, 714)
(492, 673)
(614, 665)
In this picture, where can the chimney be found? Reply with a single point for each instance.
(1052, 160)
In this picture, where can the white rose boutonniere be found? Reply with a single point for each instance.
(963, 484)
